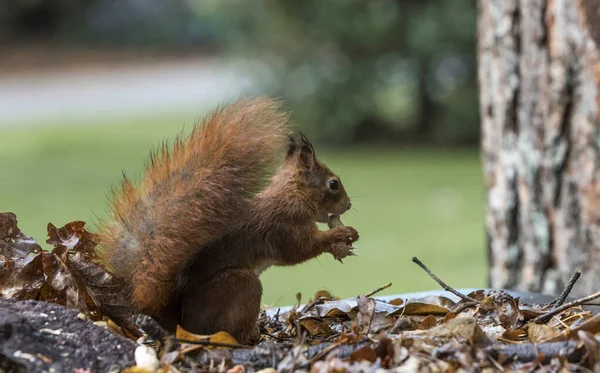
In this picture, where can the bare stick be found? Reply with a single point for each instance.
(209, 343)
(555, 311)
(561, 299)
(531, 352)
(442, 283)
(370, 294)
(325, 351)
(462, 306)
(296, 355)
(311, 305)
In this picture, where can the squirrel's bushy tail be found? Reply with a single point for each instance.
(191, 196)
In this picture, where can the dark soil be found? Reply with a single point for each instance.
(43, 337)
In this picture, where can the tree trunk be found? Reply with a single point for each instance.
(539, 73)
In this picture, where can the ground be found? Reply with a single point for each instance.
(38, 336)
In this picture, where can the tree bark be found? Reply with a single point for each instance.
(539, 73)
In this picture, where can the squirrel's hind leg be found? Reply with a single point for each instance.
(229, 301)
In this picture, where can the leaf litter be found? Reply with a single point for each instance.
(483, 331)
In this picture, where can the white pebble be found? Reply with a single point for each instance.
(145, 358)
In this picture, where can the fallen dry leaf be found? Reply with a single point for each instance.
(21, 278)
(366, 353)
(366, 313)
(428, 322)
(72, 236)
(217, 338)
(314, 326)
(418, 308)
(13, 242)
(541, 333)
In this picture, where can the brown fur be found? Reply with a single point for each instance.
(281, 230)
(190, 197)
(202, 223)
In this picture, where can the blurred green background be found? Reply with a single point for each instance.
(386, 89)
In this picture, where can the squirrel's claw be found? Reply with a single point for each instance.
(341, 251)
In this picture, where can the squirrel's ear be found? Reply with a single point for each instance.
(306, 157)
(292, 147)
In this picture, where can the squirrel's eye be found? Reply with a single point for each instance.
(334, 184)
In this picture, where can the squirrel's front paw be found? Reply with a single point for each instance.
(341, 250)
(345, 234)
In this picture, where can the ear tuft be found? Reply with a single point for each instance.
(291, 147)
(306, 142)
(307, 156)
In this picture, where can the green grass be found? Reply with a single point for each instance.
(425, 203)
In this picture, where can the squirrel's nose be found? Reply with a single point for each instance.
(349, 205)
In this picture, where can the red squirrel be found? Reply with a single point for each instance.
(238, 195)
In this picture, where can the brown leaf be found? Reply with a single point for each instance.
(437, 300)
(90, 286)
(181, 333)
(21, 278)
(323, 294)
(219, 337)
(510, 315)
(449, 316)
(402, 323)
(60, 285)
(336, 308)
(223, 337)
(72, 236)
(237, 369)
(428, 322)
(350, 306)
(385, 349)
(365, 353)
(366, 312)
(45, 276)
(503, 308)
(592, 346)
(417, 308)
(591, 325)
(315, 326)
(477, 294)
(513, 335)
(108, 292)
(541, 333)
(396, 302)
(13, 242)
(463, 327)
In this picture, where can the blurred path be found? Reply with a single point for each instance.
(36, 98)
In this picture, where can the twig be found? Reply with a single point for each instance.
(296, 355)
(332, 337)
(209, 343)
(324, 352)
(279, 339)
(530, 352)
(442, 283)
(462, 306)
(565, 293)
(555, 311)
(308, 307)
(399, 320)
(370, 294)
